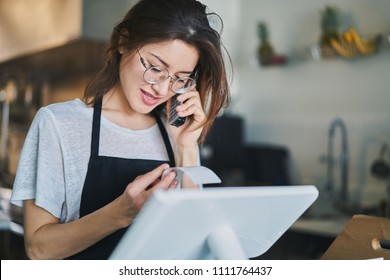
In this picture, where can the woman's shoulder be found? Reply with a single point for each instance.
(70, 106)
(70, 109)
(68, 113)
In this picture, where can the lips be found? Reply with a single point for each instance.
(149, 99)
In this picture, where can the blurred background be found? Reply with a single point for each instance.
(310, 100)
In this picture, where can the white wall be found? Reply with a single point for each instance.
(294, 105)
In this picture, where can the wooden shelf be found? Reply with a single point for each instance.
(317, 53)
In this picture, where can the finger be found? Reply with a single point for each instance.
(174, 184)
(152, 184)
(191, 102)
(187, 95)
(195, 111)
(142, 182)
(189, 99)
(184, 106)
(167, 181)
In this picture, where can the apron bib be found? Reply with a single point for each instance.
(106, 179)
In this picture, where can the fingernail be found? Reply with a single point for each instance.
(172, 174)
(166, 165)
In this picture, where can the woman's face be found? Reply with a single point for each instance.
(176, 56)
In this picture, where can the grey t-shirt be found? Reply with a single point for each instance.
(54, 160)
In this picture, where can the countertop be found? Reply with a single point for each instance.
(6, 223)
(328, 227)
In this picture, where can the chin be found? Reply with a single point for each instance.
(144, 110)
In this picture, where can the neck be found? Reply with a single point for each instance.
(117, 109)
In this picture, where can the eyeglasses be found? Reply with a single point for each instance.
(157, 74)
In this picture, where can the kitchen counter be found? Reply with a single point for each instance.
(11, 233)
(307, 239)
(327, 227)
(6, 222)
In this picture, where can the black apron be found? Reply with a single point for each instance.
(106, 179)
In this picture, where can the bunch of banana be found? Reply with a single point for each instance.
(344, 49)
(364, 46)
(351, 44)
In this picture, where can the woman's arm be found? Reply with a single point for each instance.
(185, 138)
(47, 238)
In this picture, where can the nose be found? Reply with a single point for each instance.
(164, 87)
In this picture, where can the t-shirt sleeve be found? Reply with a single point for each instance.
(40, 172)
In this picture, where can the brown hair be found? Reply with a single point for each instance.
(152, 21)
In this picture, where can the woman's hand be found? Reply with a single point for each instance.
(185, 137)
(188, 134)
(47, 238)
(138, 191)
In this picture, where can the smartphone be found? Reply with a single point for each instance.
(173, 118)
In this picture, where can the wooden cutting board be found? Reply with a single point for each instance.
(363, 237)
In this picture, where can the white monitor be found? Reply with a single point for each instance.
(215, 223)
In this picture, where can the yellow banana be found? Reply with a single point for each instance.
(363, 46)
(345, 52)
(347, 37)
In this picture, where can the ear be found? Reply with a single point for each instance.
(121, 45)
(122, 41)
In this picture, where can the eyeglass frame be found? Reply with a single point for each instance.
(172, 80)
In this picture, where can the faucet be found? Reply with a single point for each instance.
(344, 158)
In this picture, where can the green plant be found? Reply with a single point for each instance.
(329, 25)
(262, 31)
(265, 50)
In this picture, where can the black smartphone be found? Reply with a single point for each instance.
(173, 118)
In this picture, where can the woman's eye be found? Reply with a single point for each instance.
(150, 65)
(155, 69)
(180, 81)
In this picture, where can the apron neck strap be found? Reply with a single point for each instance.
(166, 139)
(97, 112)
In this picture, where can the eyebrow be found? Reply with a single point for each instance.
(166, 65)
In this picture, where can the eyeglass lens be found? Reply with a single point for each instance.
(155, 75)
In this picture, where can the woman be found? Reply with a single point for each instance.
(87, 167)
